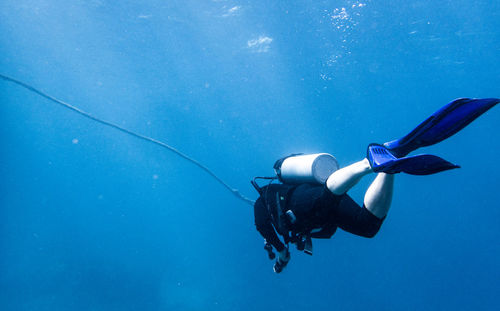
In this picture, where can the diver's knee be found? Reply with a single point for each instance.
(371, 231)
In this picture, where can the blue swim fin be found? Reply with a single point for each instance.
(382, 160)
(445, 122)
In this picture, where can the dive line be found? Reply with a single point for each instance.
(129, 132)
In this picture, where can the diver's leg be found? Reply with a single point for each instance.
(347, 177)
(378, 197)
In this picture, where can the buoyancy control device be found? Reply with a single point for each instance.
(294, 170)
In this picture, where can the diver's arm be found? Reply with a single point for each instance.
(267, 231)
(265, 227)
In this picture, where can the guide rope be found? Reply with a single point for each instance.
(129, 132)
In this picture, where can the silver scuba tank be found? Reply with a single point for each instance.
(306, 168)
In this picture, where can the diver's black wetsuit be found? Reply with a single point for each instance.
(318, 212)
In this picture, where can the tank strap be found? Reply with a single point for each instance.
(281, 199)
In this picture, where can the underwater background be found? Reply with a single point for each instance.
(94, 219)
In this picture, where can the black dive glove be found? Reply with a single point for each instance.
(282, 261)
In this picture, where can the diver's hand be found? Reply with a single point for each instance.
(282, 261)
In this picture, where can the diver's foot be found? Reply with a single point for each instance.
(383, 161)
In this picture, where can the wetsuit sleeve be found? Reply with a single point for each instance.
(265, 226)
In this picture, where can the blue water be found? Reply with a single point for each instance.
(93, 219)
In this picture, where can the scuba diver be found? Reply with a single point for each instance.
(312, 202)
